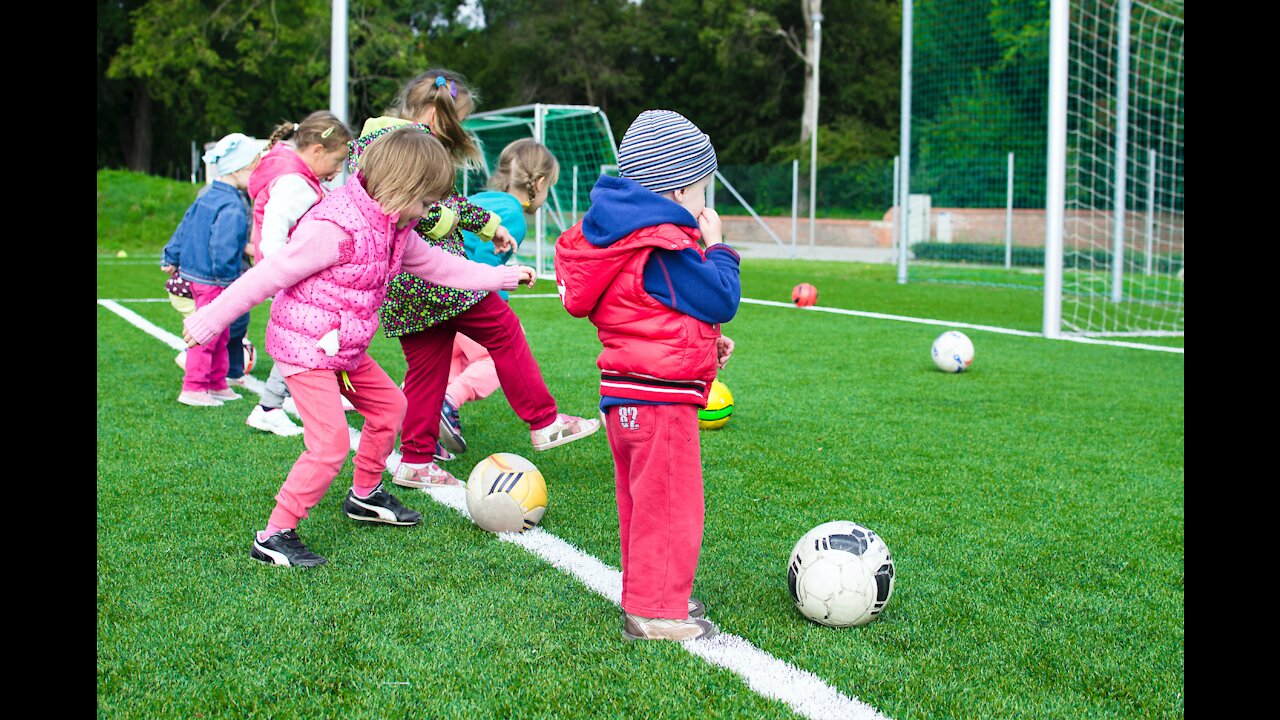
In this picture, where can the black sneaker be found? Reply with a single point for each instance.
(381, 506)
(285, 548)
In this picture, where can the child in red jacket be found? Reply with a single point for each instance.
(634, 266)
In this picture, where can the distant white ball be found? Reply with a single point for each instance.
(840, 574)
(953, 351)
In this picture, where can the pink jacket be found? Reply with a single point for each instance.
(333, 276)
(280, 160)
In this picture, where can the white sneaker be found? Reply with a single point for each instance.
(290, 406)
(635, 627)
(272, 421)
(225, 395)
(565, 429)
(198, 398)
(237, 382)
(181, 359)
(346, 404)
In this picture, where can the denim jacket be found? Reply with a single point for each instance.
(209, 243)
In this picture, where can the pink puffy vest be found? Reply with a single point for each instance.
(345, 295)
(281, 159)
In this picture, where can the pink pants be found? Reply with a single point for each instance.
(493, 325)
(325, 434)
(207, 363)
(658, 478)
(472, 375)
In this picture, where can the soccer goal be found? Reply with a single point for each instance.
(580, 138)
(1114, 242)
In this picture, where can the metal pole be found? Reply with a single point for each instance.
(1122, 142)
(540, 222)
(711, 192)
(1056, 176)
(1151, 207)
(897, 209)
(574, 203)
(795, 203)
(904, 141)
(813, 139)
(1008, 219)
(338, 69)
(465, 176)
(195, 158)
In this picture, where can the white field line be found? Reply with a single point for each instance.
(806, 693)
(949, 324)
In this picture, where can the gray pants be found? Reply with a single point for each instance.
(275, 392)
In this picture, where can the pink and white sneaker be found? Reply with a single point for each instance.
(565, 429)
(429, 475)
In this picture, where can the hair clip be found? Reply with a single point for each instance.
(295, 127)
(328, 132)
(440, 81)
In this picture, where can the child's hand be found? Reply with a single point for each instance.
(191, 342)
(709, 224)
(169, 269)
(528, 276)
(502, 240)
(724, 349)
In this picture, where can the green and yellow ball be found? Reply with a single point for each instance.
(719, 408)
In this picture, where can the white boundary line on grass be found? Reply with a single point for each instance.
(806, 693)
(949, 324)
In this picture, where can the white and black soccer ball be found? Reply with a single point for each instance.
(953, 352)
(840, 574)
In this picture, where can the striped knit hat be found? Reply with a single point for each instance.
(663, 151)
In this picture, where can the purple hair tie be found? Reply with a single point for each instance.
(453, 86)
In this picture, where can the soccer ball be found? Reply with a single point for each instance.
(953, 352)
(719, 407)
(506, 493)
(250, 356)
(804, 295)
(840, 574)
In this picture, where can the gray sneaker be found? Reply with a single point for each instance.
(635, 627)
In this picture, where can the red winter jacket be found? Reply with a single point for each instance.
(281, 159)
(651, 352)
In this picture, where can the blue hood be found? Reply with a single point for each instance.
(620, 207)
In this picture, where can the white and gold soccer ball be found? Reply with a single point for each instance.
(953, 352)
(840, 574)
(506, 493)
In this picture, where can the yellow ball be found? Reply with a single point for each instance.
(506, 493)
(719, 408)
(122, 254)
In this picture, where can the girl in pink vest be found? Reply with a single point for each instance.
(328, 283)
(283, 187)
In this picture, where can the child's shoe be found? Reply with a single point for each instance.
(285, 548)
(451, 428)
(381, 506)
(346, 404)
(225, 395)
(289, 406)
(635, 627)
(181, 359)
(565, 429)
(274, 420)
(696, 608)
(442, 453)
(237, 381)
(429, 475)
(198, 398)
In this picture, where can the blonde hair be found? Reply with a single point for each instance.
(405, 166)
(320, 127)
(521, 164)
(424, 92)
